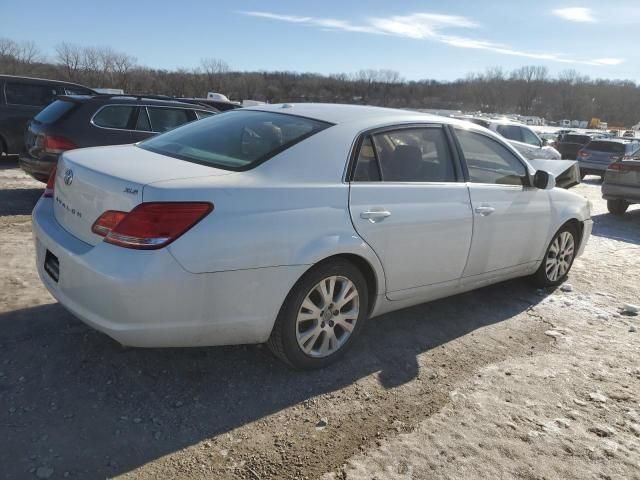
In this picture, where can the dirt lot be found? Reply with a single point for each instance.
(504, 382)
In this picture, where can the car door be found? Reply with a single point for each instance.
(511, 219)
(409, 203)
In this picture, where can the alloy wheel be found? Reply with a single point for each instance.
(560, 256)
(327, 316)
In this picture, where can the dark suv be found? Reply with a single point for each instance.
(571, 143)
(89, 121)
(20, 99)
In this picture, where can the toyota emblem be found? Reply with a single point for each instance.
(68, 176)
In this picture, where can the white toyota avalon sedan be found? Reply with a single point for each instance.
(293, 224)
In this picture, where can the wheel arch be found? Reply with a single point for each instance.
(367, 270)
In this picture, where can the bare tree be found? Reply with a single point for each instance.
(529, 78)
(213, 69)
(69, 57)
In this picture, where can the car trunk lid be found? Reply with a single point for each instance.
(93, 180)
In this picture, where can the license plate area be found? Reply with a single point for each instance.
(52, 266)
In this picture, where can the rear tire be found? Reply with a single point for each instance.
(617, 206)
(558, 258)
(316, 326)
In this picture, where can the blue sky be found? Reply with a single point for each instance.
(420, 39)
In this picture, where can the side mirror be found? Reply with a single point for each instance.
(544, 180)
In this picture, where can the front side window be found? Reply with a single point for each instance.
(235, 140)
(114, 116)
(529, 137)
(490, 162)
(29, 94)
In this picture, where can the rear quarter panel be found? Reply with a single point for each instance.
(257, 226)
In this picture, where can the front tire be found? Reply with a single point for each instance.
(617, 206)
(322, 316)
(558, 258)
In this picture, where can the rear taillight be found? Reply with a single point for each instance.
(150, 225)
(54, 144)
(107, 222)
(51, 183)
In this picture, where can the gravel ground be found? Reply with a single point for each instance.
(503, 382)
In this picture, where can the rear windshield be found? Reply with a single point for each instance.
(54, 111)
(235, 140)
(609, 147)
(581, 139)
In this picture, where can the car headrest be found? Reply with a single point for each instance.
(406, 163)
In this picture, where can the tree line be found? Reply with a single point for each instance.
(529, 90)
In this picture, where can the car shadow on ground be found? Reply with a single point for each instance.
(8, 161)
(19, 201)
(624, 228)
(73, 399)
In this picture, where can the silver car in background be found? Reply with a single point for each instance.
(521, 137)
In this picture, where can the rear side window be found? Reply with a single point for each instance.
(490, 162)
(114, 116)
(512, 132)
(608, 147)
(163, 119)
(55, 111)
(236, 140)
(414, 155)
(366, 164)
(29, 94)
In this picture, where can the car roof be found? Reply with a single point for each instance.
(613, 140)
(42, 80)
(133, 99)
(341, 113)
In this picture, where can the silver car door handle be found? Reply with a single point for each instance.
(375, 215)
(485, 210)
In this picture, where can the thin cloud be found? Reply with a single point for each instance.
(428, 26)
(575, 14)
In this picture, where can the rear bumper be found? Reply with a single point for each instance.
(628, 193)
(38, 169)
(146, 299)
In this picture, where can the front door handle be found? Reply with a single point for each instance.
(375, 215)
(485, 210)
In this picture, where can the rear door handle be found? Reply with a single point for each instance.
(375, 215)
(485, 210)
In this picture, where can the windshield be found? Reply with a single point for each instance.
(54, 111)
(236, 140)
